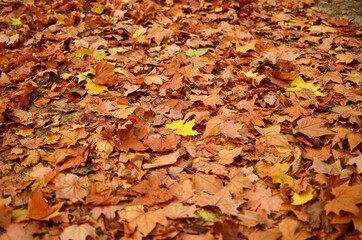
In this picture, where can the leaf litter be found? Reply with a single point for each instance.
(179, 120)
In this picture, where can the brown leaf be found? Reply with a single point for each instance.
(70, 187)
(293, 230)
(222, 199)
(105, 74)
(321, 154)
(230, 129)
(71, 137)
(163, 160)
(20, 231)
(81, 232)
(109, 212)
(227, 156)
(162, 144)
(5, 213)
(238, 181)
(262, 198)
(346, 198)
(207, 183)
(213, 126)
(177, 210)
(312, 127)
(145, 221)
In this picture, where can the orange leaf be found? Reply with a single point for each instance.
(346, 198)
(38, 208)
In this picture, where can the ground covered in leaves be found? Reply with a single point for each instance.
(179, 119)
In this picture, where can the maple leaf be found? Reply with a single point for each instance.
(145, 221)
(152, 192)
(183, 129)
(262, 198)
(213, 126)
(238, 181)
(71, 137)
(38, 208)
(21, 231)
(312, 127)
(231, 129)
(81, 232)
(177, 210)
(222, 199)
(163, 160)
(346, 198)
(207, 183)
(292, 230)
(162, 144)
(108, 211)
(69, 186)
(304, 197)
(95, 87)
(227, 156)
(298, 83)
(277, 173)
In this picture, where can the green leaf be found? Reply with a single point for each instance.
(84, 76)
(194, 53)
(207, 216)
(81, 52)
(99, 56)
(16, 21)
(135, 34)
(117, 50)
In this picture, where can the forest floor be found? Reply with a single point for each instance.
(180, 119)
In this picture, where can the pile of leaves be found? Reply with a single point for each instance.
(179, 119)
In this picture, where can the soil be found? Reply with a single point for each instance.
(341, 9)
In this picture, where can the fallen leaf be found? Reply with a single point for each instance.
(78, 232)
(145, 221)
(346, 198)
(183, 129)
(162, 144)
(312, 127)
(70, 186)
(299, 83)
(263, 199)
(227, 156)
(293, 230)
(163, 160)
(304, 197)
(38, 208)
(278, 173)
(221, 199)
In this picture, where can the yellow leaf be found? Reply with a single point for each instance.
(300, 199)
(97, 9)
(183, 129)
(96, 88)
(219, 9)
(25, 132)
(282, 149)
(246, 47)
(278, 173)
(250, 74)
(298, 83)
